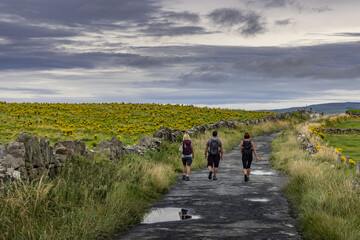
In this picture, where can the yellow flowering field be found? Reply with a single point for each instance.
(93, 122)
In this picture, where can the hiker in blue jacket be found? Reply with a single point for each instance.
(215, 150)
(247, 148)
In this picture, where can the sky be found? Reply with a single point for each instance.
(240, 54)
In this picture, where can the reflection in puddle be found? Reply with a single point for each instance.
(258, 199)
(263, 173)
(169, 214)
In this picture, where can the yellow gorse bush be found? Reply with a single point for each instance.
(97, 121)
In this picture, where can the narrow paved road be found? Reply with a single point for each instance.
(229, 208)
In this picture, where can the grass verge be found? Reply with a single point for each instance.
(99, 199)
(325, 195)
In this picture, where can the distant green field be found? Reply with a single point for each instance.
(348, 124)
(350, 143)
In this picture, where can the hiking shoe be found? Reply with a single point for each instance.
(245, 178)
(210, 174)
(184, 177)
(187, 178)
(214, 178)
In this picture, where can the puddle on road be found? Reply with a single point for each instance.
(258, 199)
(260, 172)
(169, 214)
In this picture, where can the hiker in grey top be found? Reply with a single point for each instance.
(215, 150)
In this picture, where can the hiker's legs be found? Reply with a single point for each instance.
(215, 171)
(188, 170)
(248, 172)
(216, 164)
(184, 169)
(245, 172)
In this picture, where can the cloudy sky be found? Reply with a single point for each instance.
(247, 54)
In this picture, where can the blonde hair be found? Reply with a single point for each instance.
(186, 137)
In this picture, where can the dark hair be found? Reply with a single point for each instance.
(246, 135)
(214, 133)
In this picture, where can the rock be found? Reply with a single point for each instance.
(164, 133)
(16, 149)
(10, 171)
(32, 149)
(114, 147)
(76, 146)
(16, 175)
(46, 151)
(62, 153)
(10, 161)
(2, 150)
(168, 134)
(132, 150)
(149, 143)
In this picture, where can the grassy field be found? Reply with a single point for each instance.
(353, 123)
(350, 143)
(325, 196)
(92, 123)
(99, 199)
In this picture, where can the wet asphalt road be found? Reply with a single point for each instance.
(229, 207)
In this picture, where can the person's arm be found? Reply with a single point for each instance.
(221, 153)
(192, 149)
(253, 147)
(241, 145)
(206, 151)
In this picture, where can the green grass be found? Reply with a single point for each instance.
(350, 143)
(348, 124)
(325, 199)
(100, 199)
(353, 111)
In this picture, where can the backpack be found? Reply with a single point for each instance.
(214, 146)
(187, 147)
(247, 148)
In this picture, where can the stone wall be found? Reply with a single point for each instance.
(341, 131)
(353, 113)
(28, 157)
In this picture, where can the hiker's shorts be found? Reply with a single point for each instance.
(213, 160)
(246, 162)
(187, 161)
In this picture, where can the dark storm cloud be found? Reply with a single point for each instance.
(275, 3)
(31, 91)
(15, 30)
(348, 34)
(284, 22)
(80, 12)
(250, 23)
(205, 74)
(300, 7)
(183, 16)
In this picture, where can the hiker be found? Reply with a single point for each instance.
(187, 156)
(215, 150)
(247, 148)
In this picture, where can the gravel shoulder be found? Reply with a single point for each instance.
(229, 208)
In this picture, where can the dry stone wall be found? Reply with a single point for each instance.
(28, 157)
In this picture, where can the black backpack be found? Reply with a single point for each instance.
(214, 146)
(187, 147)
(247, 148)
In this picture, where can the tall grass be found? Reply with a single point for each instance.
(98, 199)
(325, 195)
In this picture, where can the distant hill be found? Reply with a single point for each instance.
(326, 108)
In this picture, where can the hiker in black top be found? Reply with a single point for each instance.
(215, 150)
(247, 148)
(187, 156)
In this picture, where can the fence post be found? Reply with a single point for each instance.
(347, 160)
(357, 167)
(339, 157)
